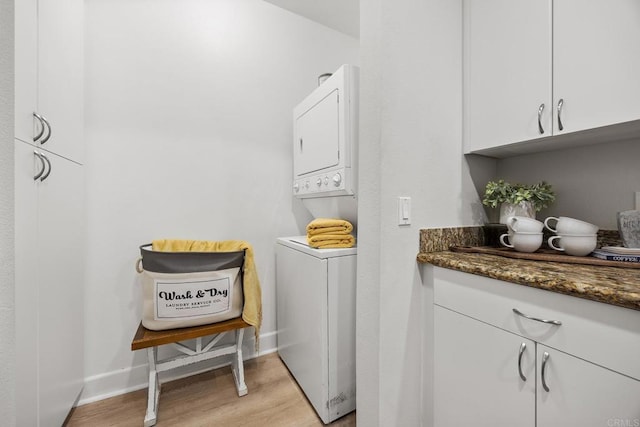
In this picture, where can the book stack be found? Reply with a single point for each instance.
(617, 253)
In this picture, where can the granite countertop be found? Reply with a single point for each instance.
(610, 285)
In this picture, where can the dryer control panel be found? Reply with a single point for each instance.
(333, 183)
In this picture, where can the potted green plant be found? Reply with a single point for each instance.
(518, 199)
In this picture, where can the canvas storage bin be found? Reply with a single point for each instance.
(183, 289)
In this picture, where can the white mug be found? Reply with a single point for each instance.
(524, 224)
(574, 244)
(522, 242)
(566, 225)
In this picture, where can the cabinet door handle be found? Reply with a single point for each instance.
(39, 174)
(46, 175)
(545, 358)
(540, 110)
(560, 103)
(552, 322)
(523, 346)
(39, 135)
(46, 138)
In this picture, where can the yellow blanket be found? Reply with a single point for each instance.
(328, 226)
(252, 311)
(331, 241)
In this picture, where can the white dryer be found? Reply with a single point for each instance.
(316, 304)
(325, 147)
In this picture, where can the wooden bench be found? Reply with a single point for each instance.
(150, 340)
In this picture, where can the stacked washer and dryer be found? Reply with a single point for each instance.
(316, 288)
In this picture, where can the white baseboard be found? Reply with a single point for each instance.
(114, 383)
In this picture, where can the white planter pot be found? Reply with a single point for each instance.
(521, 209)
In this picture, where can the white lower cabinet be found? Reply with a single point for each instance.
(49, 285)
(584, 394)
(495, 367)
(476, 380)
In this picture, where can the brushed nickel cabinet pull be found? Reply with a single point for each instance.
(545, 358)
(560, 104)
(39, 135)
(39, 174)
(523, 346)
(540, 110)
(46, 138)
(45, 176)
(552, 322)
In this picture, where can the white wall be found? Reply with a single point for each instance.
(7, 312)
(189, 135)
(592, 183)
(418, 49)
(368, 278)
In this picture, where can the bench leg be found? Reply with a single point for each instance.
(237, 365)
(154, 389)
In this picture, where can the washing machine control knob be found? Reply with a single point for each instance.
(337, 179)
(306, 185)
(319, 182)
(296, 187)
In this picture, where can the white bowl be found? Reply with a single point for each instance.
(524, 224)
(573, 244)
(522, 242)
(566, 225)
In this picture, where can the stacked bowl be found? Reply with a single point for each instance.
(573, 236)
(525, 234)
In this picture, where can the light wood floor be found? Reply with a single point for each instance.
(210, 399)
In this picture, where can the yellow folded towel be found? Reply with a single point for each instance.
(326, 241)
(328, 226)
(252, 311)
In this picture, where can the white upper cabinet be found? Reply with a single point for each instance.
(596, 62)
(535, 69)
(507, 71)
(26, 64)
(49, 75)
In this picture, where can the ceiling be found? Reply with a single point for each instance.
(341, 15)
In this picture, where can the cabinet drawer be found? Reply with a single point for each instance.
(604, 334)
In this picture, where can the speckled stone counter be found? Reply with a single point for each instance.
(610, 285)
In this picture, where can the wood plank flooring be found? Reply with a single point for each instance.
(210, 399)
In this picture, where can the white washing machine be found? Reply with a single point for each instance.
(316, 304)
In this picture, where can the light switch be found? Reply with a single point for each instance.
(404, 210)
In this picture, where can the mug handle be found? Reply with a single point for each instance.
(503, 242)
(548, 226)
(551, 245)
(510, 221)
